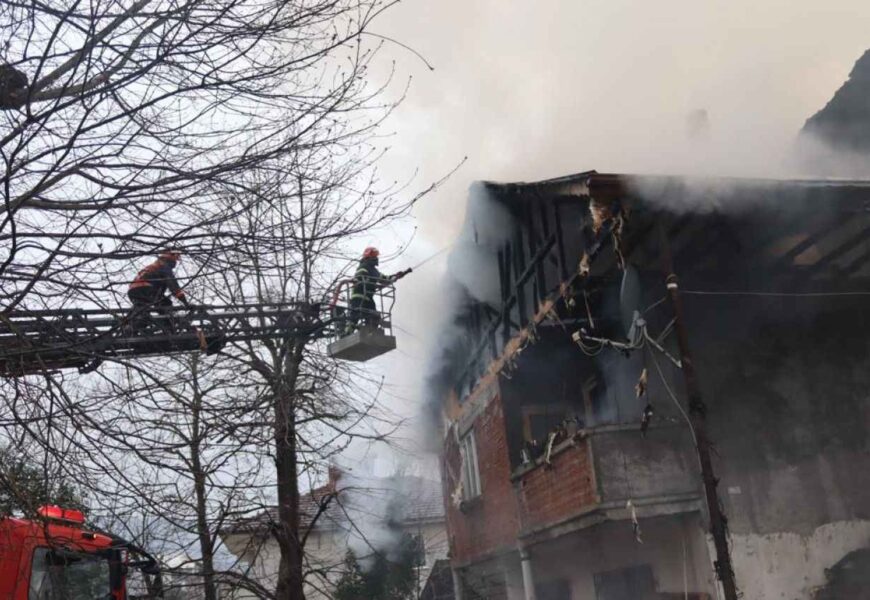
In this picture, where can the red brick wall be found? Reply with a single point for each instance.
(489, 524)
(544, 496)
(548, 495)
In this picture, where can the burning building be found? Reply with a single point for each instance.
(665, 395)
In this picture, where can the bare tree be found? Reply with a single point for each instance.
(317, 405)
(204, 426)
(241, 131)
(185, 441)
(135, 111)
(198, 466)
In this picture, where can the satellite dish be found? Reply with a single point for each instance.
(629, 297)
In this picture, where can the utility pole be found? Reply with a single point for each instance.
(698, 422)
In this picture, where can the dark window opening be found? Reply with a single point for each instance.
(633, 583)
(553, 590)
(540, 420)
(543, 400)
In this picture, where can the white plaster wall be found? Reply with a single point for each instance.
(789, 566)
(327, 549)
(262, 560)
(437, 547)
(777, 566)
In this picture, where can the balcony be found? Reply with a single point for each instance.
(591, 477)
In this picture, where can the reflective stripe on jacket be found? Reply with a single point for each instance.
(367, 280)
(158, 275)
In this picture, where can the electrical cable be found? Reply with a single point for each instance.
(674, 397)
(659, 347)
(774, 294)
(653, 305)
(666, 331)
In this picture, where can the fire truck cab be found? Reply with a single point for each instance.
(56, 558)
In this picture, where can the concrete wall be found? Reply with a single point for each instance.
(788, 386)
(674, 548)
(612, 546)
(789, 566)
(629, 465)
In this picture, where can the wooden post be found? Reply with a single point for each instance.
(698, 422)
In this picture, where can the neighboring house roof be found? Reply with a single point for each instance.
(317, 504)
(423, 500)
(408, 499)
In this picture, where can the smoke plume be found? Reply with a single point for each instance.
(534, 90)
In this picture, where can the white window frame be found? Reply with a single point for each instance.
(470, 471)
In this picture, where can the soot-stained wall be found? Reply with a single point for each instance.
(788, 388)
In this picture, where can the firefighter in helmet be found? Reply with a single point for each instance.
(148, 290)
(366, 282)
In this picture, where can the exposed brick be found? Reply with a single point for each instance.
(548, 495)
(490, 522)
(541, 497)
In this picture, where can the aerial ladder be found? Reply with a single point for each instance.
(39, 341)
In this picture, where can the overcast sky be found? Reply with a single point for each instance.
(540, 88)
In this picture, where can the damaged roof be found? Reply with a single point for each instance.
(702, 192)
(594, 178)
(570, 238)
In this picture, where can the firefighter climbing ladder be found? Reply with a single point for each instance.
(38, 341)
(47, 340)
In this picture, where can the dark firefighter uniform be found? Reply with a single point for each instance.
(366, 281)
(148, 290)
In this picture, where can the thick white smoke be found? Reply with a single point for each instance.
(530, 90)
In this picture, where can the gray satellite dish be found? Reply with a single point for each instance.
(629, 297)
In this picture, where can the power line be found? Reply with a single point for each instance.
(775, 294)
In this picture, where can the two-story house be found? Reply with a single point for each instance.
(571, 465)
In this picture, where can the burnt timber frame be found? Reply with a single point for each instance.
(532, 264)
(552, 230)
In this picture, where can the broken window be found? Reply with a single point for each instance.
(470, 471)
(540, 419)
(543, 398)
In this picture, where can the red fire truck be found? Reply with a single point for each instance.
(55, 557)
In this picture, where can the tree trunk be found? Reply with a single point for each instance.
(289, 585)
(206, 545)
